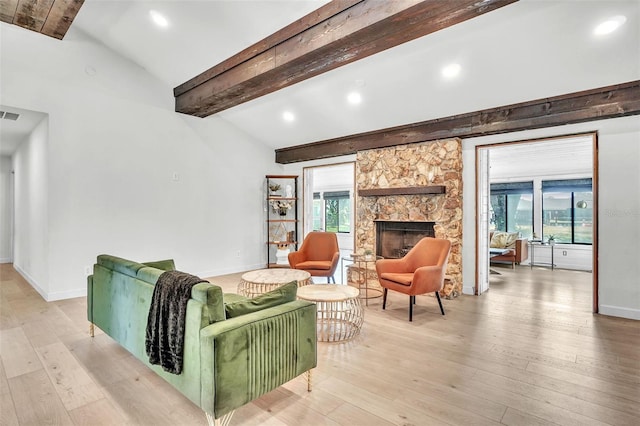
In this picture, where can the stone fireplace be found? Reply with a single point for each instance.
(412, 184)
(394, 239)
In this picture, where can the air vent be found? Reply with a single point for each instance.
(9, 115)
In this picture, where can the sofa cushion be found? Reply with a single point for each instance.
(398, 277)
(314, 264)
(503, 239)
(282, 294)
(165, 265)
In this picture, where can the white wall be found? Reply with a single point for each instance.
(31, 245)
(619, 209)
(114, 147)
(6, 209)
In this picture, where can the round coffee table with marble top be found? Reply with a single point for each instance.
(255, 283)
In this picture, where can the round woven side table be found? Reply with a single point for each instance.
(340, 313)
(255, 283)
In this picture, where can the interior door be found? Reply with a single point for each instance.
(482, 217)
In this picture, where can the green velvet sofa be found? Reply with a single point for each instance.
(227, 362)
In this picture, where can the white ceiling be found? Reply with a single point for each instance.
(527, 50)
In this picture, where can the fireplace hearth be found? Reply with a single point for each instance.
(394, 239)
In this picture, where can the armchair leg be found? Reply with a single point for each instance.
(411, 302)
(384, 298)
(439, 302)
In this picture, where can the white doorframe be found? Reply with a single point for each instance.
(482, 219)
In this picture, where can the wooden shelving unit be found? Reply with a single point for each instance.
(282, 222)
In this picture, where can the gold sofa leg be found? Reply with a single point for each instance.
(222, 421)
(308, 374)
(91, 329)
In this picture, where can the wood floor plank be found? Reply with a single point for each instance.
(7, 317)
(530, 406)
(17, 354)
(97, 413)
(517, 418)
(73, 385)
(610, 363)
(39, 333)
(575, 390)
(445, 412)
(630, 392)
(559, 399)
(36, 400)
(8, 414)
(348, 414)
(396, 412)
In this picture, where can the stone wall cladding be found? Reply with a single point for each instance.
(408, 166)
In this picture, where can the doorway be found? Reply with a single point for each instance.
(545, 191)
(329, 202)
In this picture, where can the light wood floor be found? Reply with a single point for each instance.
(528, 352)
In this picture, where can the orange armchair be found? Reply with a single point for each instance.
(420, 271)
(318, 255)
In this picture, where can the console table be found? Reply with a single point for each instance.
(532, 249)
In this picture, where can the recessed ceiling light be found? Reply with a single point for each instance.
(288, 116)
(610, 25)
(451, 70)
(158, 19)
(354, 98)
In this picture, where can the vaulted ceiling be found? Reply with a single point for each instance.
(520, 52)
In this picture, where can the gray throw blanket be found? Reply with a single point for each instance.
(165, 325)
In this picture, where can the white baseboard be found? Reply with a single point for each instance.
(50, 297)
(617, 311)
(6, 260)
(32, 282)
(69, 294)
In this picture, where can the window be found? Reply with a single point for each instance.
(337, 211)
(317, 212)
(511, 207)
(332, 211)
(567, 210)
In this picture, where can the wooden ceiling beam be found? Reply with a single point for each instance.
(49, 17)
(336, 34)
(615, 101)
(60, 17)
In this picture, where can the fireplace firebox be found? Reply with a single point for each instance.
(394, 239)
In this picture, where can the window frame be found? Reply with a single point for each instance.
(570, 187)
(513, 188)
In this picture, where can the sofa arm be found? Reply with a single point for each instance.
(522, 250)
(247, 356)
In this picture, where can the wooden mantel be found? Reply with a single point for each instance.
(336, 34)
(410, 190)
